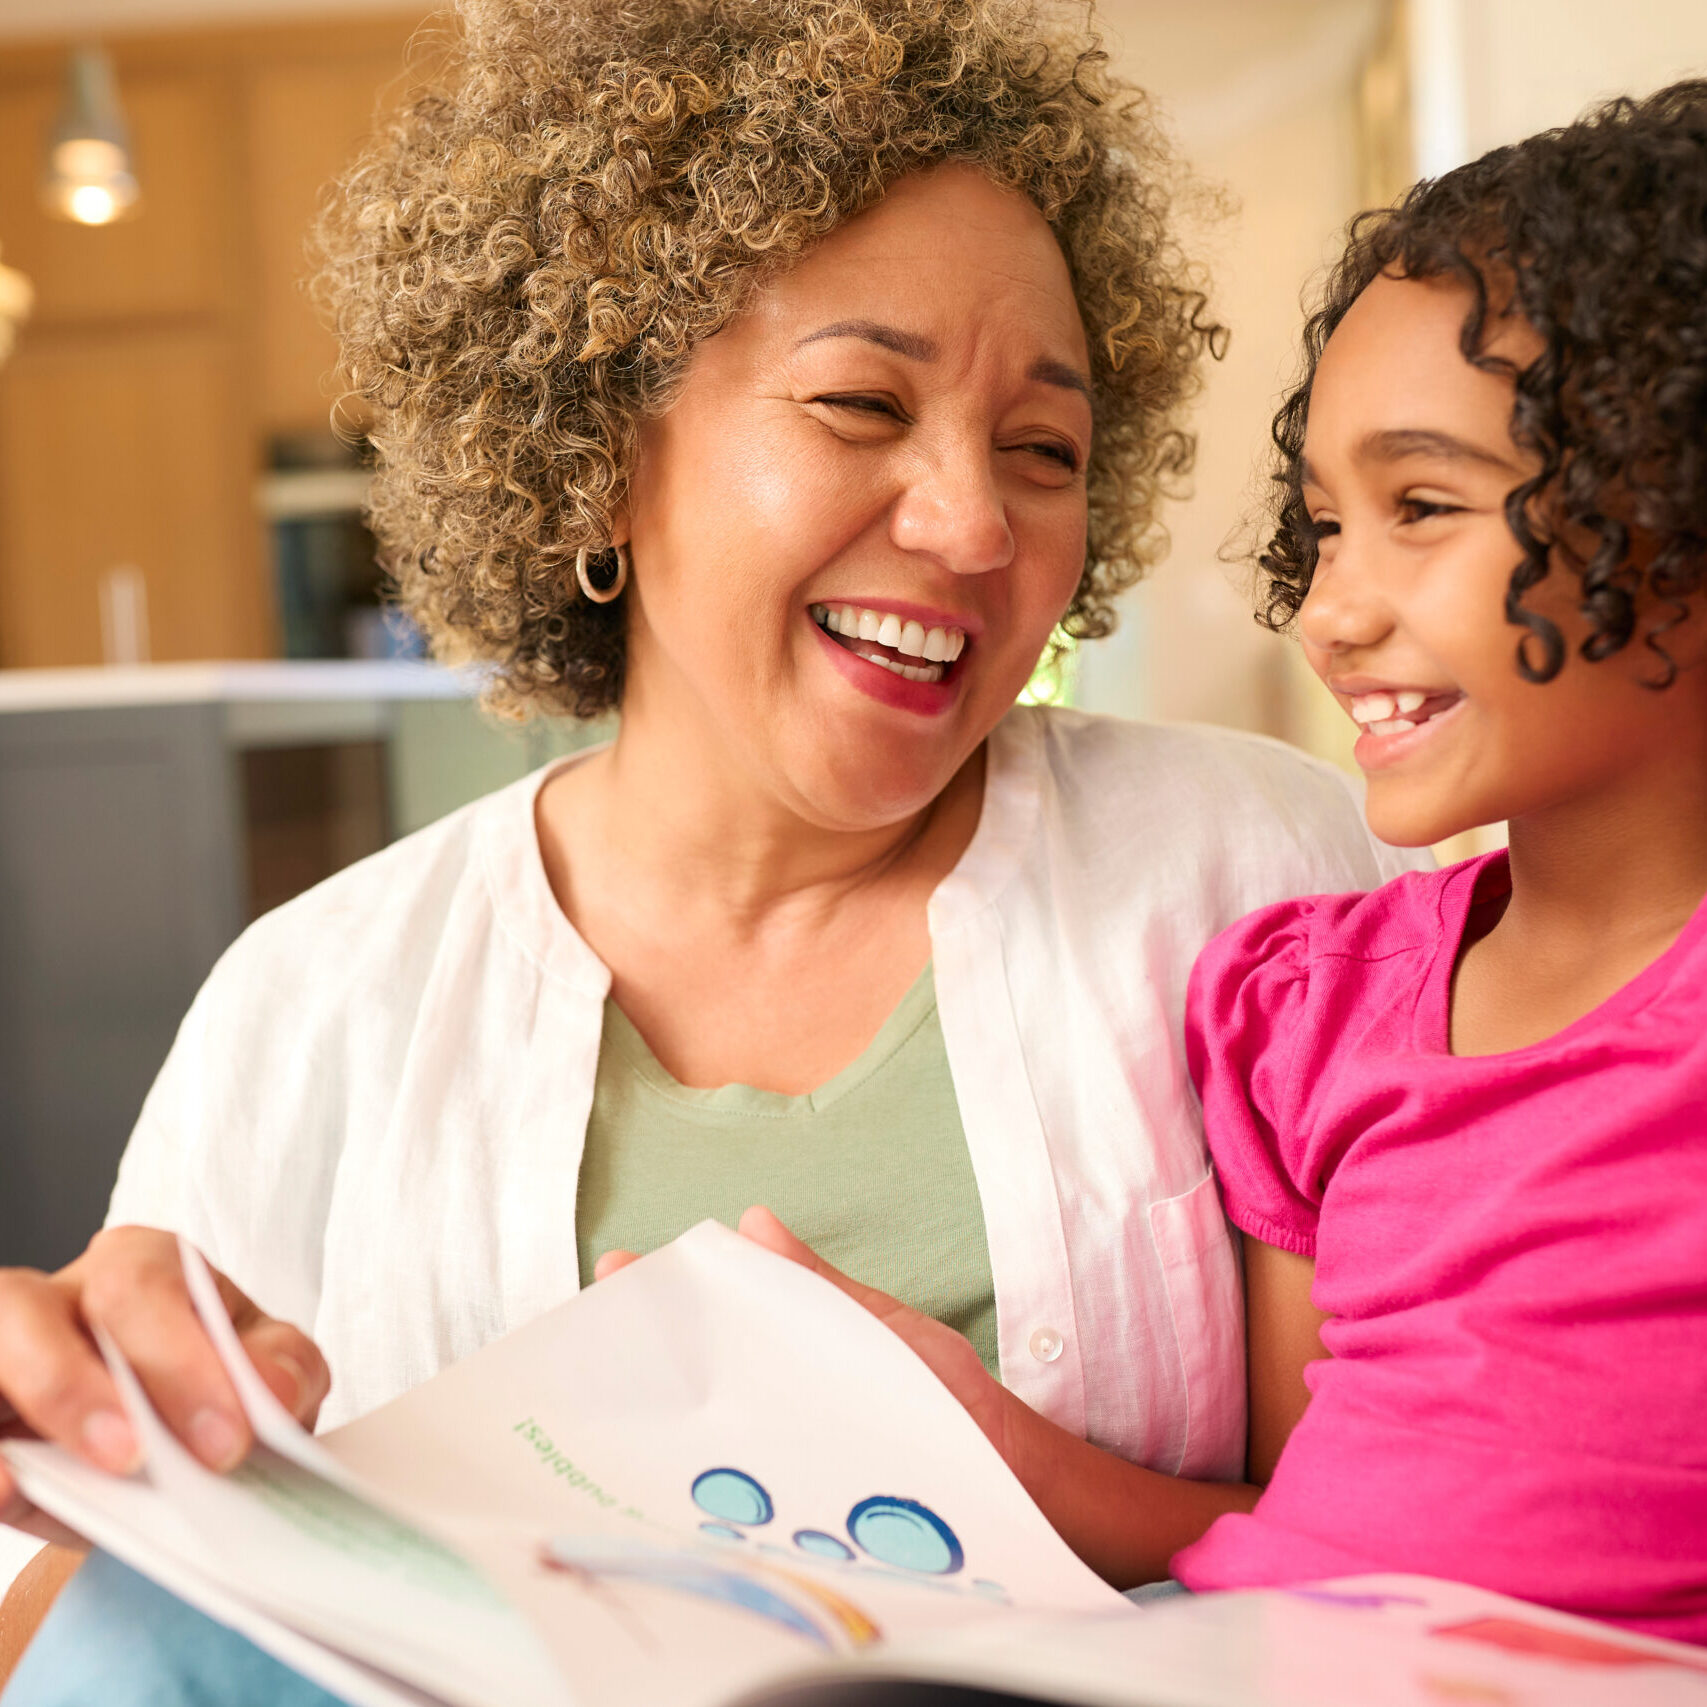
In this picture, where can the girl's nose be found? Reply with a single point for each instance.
(953, 510)
(1343, 611)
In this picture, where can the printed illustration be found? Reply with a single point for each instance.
(893, 1531)
(791, 1602)
(884, 1533)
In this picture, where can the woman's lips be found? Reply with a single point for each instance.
(926, 687)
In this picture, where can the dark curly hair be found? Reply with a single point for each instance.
(521, 265)
(1597, 235)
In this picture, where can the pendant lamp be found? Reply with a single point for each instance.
(89, 176)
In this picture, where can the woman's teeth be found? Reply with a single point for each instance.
(935, 647)
(1391, 713)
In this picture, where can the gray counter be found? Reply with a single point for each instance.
(145, 815)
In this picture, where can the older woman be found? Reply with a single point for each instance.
(783, 373)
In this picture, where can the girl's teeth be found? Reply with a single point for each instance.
(888, 632)
(936, 646)
(1410, 700)
(1391, 726)
(870, 625)
(1372, 707)
(912, 640)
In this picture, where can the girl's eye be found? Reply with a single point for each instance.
(1413, 510)
(1323, 527)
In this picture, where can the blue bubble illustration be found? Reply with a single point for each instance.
(723, 1532)
(824, 1546)
(905, 1533)
(732, 1495)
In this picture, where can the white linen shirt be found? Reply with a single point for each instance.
(373, 1114)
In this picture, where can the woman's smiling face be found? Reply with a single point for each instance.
(864, 511)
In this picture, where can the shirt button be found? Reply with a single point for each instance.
(1046, 1345)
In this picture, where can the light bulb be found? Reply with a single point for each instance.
(92, 204)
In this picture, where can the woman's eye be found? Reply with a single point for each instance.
(1323, 527)
(862, 405)
(1065, 455)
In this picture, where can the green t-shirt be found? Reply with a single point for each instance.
(871, 1169)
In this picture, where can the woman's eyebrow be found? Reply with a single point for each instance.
(921, 349)
(908, 344)
(1058, 373)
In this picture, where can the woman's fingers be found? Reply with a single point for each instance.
(52, 1376)
(133, 1286)
(288, 1361)
(130, 1283)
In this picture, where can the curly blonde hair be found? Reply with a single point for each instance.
(521, 264)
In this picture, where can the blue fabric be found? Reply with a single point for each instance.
(114, 1639)
(1165, 1590)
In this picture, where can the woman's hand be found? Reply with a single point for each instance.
(130, 1282)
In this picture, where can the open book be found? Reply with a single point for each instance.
(713, 1479)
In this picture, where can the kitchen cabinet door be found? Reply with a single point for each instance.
(126, 450)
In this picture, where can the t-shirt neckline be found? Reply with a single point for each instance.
(1483, 879)
(900, 1025)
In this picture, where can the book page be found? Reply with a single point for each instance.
(700, 1473)
(1371, 1641)
(709, 1467)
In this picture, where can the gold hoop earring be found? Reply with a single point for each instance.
(600, 583)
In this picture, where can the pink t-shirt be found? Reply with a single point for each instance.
(1513, 1250)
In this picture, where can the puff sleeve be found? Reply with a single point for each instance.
(1245, 1013)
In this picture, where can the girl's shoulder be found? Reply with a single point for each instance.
(1356, 937)
(1271, 1002)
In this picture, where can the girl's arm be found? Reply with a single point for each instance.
(1124, 1521)
(1283, 1332)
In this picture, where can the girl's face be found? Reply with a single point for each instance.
(857, 523)
(1409, 458)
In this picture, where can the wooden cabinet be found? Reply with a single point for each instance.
(166, 351)
(305, 120)
(124, 447)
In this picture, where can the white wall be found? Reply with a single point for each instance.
(1529, 64)
(1261, 96)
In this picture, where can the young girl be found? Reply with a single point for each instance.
(1461, 1122)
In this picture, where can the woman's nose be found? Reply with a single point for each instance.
(1343, 611)
(953, 510)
